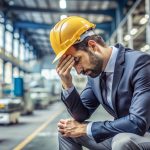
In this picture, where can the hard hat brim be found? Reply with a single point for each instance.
(59, 56)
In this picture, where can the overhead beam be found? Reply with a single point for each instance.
(108, 12)
(93, 0)
(32, 25)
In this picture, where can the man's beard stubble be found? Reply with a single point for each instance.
(96, 62)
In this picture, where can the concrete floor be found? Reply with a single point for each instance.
(39, 131)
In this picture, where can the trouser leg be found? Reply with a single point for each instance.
(122, 141)
(130, 141)
(66, 143)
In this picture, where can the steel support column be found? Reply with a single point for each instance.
(147, 8)
(4, 34)
(129, 24)
(120, 35)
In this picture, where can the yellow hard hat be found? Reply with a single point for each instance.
(66, 32)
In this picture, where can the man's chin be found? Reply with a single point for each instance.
(93, 75)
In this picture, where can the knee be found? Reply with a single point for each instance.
(122, 141)
(61, 137)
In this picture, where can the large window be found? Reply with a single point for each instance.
(8, 72)
(27, 53)
(31, 55)
(16, 47)
(22, 49)
(1, 35)
(15, 72)
(8, 45)
(21, 73)
(1, 69)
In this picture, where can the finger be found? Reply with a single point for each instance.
(68, 134)
(68, 120)
(61, 59)
(70, 66)
(61, 130)
(61, 69)
(64, 62)
(60, 125)
(64, 135)
(65, 66)
(62, 121)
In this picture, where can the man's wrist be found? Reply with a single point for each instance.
(83, 128)
(67, 86)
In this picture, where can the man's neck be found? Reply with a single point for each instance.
(107, 54)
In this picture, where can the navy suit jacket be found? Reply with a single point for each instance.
(130, 97)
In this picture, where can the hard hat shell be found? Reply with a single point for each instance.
(66, 32)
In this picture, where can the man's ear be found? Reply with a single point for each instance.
(92, 44)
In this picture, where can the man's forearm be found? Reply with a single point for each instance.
(75, 106)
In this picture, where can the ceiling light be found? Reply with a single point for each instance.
(147, 16)
(27, 45)
(9, 27)
(145, 48)
(62, 4)
(127, 37)
(133, 31)
(1, 15)
(1, 20)
(22, 40)
(63, 17)
(144, 19)
(16, 35)
(31, 47)
(11, 2)
(99, 31)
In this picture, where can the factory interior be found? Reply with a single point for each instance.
(30, 88)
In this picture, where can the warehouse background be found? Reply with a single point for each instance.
(29, 86)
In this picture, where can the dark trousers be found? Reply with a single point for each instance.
(122, 141)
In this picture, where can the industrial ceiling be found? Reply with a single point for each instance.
(35, 18)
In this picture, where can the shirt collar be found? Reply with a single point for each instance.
(112, 60)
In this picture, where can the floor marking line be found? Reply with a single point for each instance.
(34, 134)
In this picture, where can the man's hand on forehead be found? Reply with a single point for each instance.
(63, 69)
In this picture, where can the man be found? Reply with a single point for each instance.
(118, 79)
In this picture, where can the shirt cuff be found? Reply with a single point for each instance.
(88, 130)
(67, 92)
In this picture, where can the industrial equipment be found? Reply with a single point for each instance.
(10, 109)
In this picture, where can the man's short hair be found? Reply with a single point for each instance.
(84, 44)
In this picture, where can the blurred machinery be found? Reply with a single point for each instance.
(39, 93)
(26, 94)
(40, 97)
(21, 90)
(10, 106)
(10, 110)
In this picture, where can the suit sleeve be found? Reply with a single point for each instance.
(138, 119)
(81, 106)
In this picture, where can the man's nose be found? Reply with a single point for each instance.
(79, 69)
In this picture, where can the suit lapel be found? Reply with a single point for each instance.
(118, 71)
(97, 88)
(101, 100)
